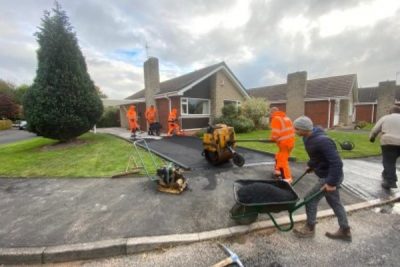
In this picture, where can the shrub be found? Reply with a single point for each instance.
(200, 133)
(5, 124)
(240, 123)
(361, 124)
(230, 111)
(110, 118)
(255, 109)
(63, 102)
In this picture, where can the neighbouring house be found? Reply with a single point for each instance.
(327, 101)
(374, 102)
(198, 96)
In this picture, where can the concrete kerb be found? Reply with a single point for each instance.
(118, 247)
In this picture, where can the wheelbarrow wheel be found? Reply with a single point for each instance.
(238, 160)
(238, 214)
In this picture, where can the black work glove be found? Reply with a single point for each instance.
(372, 139)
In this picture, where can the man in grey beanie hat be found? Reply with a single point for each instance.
(303, 123)
(327, 165)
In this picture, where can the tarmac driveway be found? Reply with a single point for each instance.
(13, 135)
(186, 151)
(45, 212)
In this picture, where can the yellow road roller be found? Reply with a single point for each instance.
(219, 143)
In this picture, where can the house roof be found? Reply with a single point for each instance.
(181, 83)
(370, 94)
(367, 94)
(336, 86)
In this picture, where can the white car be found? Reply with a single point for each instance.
(23, 125)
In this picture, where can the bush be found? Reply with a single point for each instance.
(230, 111)
(110, 118)
(200, 133)
(241, 124)
(255, 109)
(361, 124)
(5, 124)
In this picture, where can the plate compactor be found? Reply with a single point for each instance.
(169, 178)
(219, 143)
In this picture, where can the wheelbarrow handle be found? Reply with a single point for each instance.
(308, 199)
(301, 177)
(291, 211)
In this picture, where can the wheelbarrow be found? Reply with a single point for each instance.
(245, 213)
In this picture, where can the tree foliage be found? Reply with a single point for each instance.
(8, 108)
(100, 92)
(20, 92)
(255, 109)
(7, 88)
(62, 103)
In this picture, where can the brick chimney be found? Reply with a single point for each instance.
(151, 80)
(386, 98)
(296, 91)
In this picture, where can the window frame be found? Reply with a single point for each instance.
(237, 102)
(185, 112)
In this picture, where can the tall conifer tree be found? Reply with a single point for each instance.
(62, 103)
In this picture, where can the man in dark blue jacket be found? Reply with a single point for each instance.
(327, 165)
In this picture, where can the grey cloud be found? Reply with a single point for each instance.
(104, 27)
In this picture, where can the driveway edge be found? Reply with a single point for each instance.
(125, 246)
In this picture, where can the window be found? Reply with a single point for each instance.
(236, 103)
(195, 106)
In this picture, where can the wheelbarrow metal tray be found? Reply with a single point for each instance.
(267, 206)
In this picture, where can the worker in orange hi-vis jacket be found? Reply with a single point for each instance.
(151, 117)
(282, 133)
(132, 120)
(173, 126)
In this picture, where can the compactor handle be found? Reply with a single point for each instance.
(255, 140)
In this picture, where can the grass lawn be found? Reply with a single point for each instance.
(95, 155)
(363, 148)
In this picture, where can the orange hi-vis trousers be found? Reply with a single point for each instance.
(282, 159)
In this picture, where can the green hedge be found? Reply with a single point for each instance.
(110, 118)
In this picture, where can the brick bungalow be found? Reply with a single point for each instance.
(198, 96)
(327, 101)
(374, 102)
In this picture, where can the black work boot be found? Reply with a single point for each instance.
(305, 231)
(341, 234)
(387, 185)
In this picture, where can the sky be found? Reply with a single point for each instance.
(261, 41)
